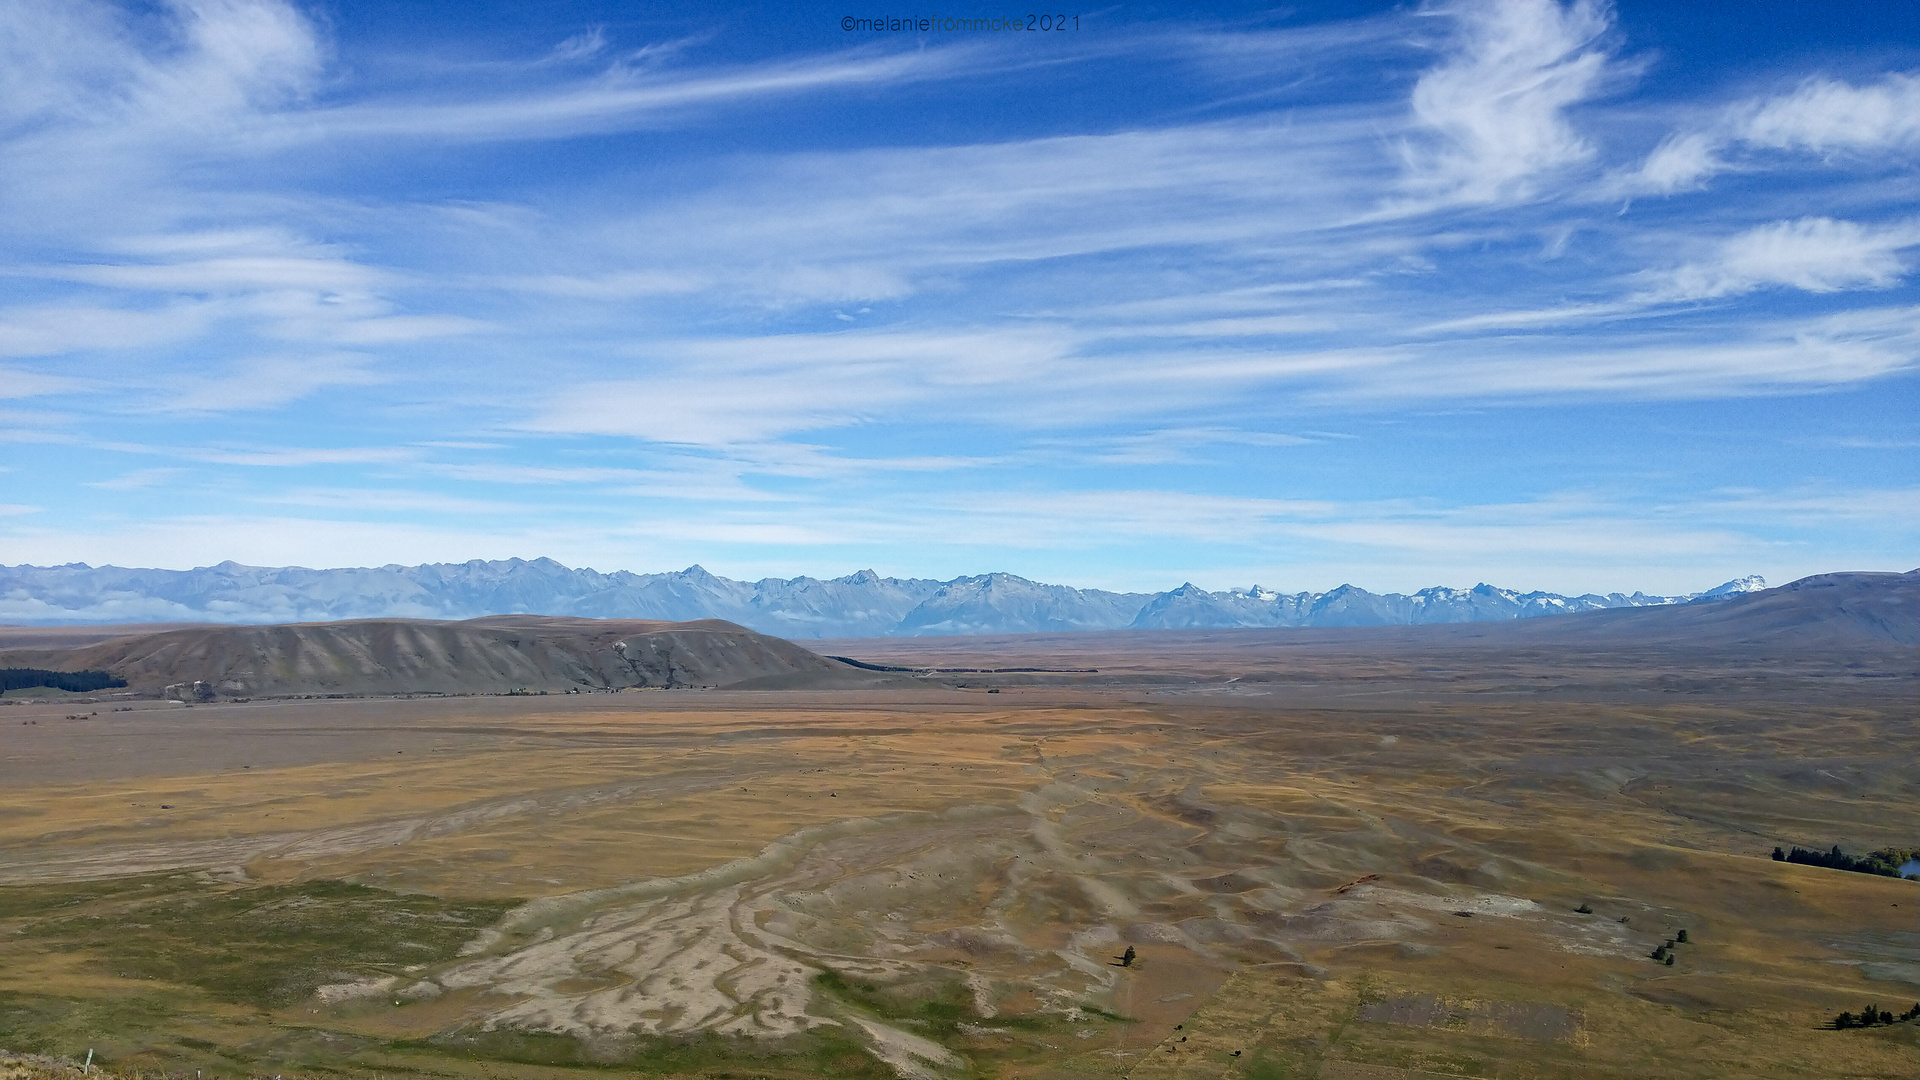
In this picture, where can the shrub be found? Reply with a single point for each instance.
(1885, 862)
(76, 682)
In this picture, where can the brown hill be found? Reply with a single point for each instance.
(1826, 609)
(490, 655)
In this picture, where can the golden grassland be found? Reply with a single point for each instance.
(935, 884)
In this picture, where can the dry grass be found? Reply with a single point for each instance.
(965, 866)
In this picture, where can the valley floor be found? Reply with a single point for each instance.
(1361, 875)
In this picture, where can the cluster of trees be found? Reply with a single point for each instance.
(1886, 862)
(1665, 953)
(79, 682)
(1873, 1016)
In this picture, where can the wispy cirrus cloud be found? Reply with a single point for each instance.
(1496, 105)
(1817, 255)
(1820, 116)
(272, 457)
(689, 296)
(1825, 115)
(614, 101)
(56, 329)
(261, 383)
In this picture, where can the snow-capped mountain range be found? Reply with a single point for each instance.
(858, 605)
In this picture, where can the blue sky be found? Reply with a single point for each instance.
(1577, 297)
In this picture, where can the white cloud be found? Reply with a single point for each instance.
(1499, 101)
(66, 328)
(1780, 356)
(1147, 292)
(390, 329)
(1530, 319)
(699, 480)
(16, 383)
(1164, 446)
(79, 68)
(619, 285)
(1682, 162)
(1819, 255)
(1812, 506)
(285, 457)
(1821, 116)
(394, 499)
(1824, 115)
(260, 383)
(139, 479)
(615, 101)
(722, 393)
(241, 274)
(185, 542)
(580, 46)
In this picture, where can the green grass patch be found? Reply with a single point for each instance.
(932, 1008)
(267, 946)
(45, 1024)
(820, 1052)
(1264, 1066)
(22, 901)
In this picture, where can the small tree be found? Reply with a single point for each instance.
(1669, 959)
(1779, 854)
(1681, 937)
(1659, 952)
(1843, 1021)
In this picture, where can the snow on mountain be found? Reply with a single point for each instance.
(1003, 603)
(858, 605)
(1349, 605)
(1750, 583)
(863, 604)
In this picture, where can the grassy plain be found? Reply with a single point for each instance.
(1357, 868)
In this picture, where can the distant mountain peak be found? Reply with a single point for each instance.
(1750, 583)
(861, 604)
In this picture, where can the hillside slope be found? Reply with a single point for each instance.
(1834, 608)
(491, 655)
